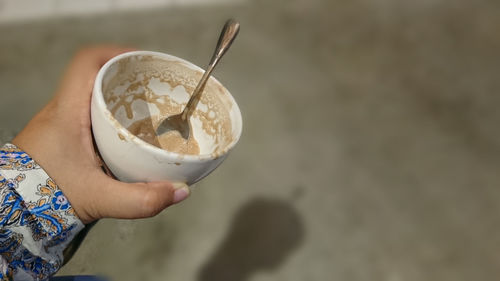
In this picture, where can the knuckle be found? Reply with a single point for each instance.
(86, 52)
(83, 52)
(152, 204)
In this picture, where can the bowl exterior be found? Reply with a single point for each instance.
(131, 160)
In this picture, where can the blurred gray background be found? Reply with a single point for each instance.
(370, 148)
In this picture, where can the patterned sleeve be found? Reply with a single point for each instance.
(36, 220)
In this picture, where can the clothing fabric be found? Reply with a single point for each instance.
(36, 219)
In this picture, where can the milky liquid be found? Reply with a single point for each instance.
(142, 91)
(172, 141)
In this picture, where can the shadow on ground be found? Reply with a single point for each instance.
(263, 233)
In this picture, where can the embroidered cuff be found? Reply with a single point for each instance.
(36, 220)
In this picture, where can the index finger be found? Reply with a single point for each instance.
(79, 77)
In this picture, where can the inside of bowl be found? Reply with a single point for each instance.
(142, 90)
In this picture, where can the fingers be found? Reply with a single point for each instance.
(78, 80)
(98, 55)
(137, 200)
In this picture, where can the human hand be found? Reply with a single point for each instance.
(59, 138)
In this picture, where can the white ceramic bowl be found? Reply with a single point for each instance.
(117, 103)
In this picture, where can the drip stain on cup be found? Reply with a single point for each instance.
(146, 90)
(134, 92)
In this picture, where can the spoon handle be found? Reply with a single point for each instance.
(226, 38)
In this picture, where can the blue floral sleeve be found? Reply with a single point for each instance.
(36, 220)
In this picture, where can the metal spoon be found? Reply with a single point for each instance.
(180, 122)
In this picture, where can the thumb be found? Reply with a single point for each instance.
(137, 200)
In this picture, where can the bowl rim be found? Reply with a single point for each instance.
(97, 94)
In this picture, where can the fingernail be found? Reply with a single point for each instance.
(181, 192)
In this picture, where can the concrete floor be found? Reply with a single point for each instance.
(370, 150)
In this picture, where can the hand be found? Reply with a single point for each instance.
(59, 138)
